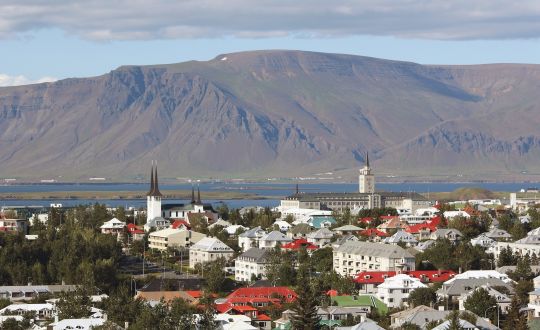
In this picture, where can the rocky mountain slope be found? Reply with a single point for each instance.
(276, 113)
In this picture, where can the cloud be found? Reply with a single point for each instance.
(7, 80)
(105, 20)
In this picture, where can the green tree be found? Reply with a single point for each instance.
(506, 257)
(74, 305)
(514, 320)
(480, 301)
(207, 320)
(522, 289)
(214, 275)
(305, 306)
(422, 296)
(453, 317)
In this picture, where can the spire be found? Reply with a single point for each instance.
(151, 180)
(192, 194)
(154, 189)
(297, 191)
(367, 159)
(198, 195)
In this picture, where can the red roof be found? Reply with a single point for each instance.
(195, 293)
(426, 276)
(244, 308)
(365, 220)
(263, 317)
(430, 225)
(264, 292)
(299, 243)
(331, 293)
(388, 217)
(223, 308)
(373, 232)
(180, 222)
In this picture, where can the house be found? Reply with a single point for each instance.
(391, 224)
(463, 324)
(395, 290)
(298, 244)
(483, 241)
(367, 303)
(272, 239)
(136, 232)
(534, 299)
(301, 230)
(251, 264)
(343, 239)
(368, 281)
(154, 297)
(181, 224)
(208, 249)
(174, 238)
(319, 222)
(374, 234)
(365, 324)
(352, 258)
(79, 324)
(347, 229)
(503, 300)
(113, 226)
(18, 293)
(453, 214)
(528, 245)
(282, 225)
(422, 246)
(232, 230)
(10, 224)
(39, 312)
(250, 238)
(498, 235)
(320, 237)
(401, 237)
(423, 231)
(453, 235)
(455, 288)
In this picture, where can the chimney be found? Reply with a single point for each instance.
(362, 318)
(126, 325)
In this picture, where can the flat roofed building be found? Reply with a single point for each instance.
(352, 258)
(175, 238)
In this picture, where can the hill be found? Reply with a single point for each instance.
(277, 113)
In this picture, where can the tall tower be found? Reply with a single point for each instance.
(366, 180)
(153, 197)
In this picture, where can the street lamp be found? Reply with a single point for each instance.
(496, 306)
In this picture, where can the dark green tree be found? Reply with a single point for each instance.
(305, 306)
(480, 302)
(514, 320)
(422, 296)
(453, 317)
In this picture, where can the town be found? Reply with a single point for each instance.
(365, 260)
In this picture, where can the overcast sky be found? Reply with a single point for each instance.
(45, 40)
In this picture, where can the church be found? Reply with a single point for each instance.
(160, 216)
(366, 197)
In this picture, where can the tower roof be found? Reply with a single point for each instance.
(154, 186)
(367, 159)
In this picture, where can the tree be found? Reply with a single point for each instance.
(214, 275)
(522, 289)
(207, 321)
(422, 296)
(506, 257)
(514, 320)
(480, 301)
(453, 317)
(74, 305)
(322, 259)
(305, 306)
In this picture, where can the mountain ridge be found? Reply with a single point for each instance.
(276, 113)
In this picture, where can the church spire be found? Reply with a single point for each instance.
(198, 195)
(367, 158)
(154, 188)
(192, 194)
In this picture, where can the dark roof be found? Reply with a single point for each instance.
(154, 186)
(308, 197)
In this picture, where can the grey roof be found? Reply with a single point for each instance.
(422, 246)
(348, 228)
(463, 324)
(345, 238)
(252, 233)
(374, 249)
(441, 233)
(461, 286)
(400, 236)
(302, 228)
(255, 254)
(366, 325)
(276, 236)
(529, 240)
(498, 233)
(354, 196)
(321, 233)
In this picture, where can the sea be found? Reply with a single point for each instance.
(266, 194)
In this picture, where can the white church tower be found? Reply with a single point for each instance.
(153, 198)
(366, 180)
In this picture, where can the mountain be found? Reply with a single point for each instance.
(276, 113)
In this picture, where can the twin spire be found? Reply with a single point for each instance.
(154, 189)
(198, 201)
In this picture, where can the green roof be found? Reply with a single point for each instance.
(317, 221)
(361, 300)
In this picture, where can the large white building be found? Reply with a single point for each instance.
(208, 249)
(352, 258)
(395, 290)
(251, 264)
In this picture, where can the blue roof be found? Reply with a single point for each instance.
(317, 221)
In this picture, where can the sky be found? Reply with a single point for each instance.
(44, 40)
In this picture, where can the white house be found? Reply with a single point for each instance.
(403, 237)
(38, 311)
(395, 290)
(351, 258)
(483, 241)
(503, 300)
(250, 238)
(113, 226)
(453, 214)
(282, 225)
(320, 237)
(251, 264)
(208, 249)
(272, 239)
